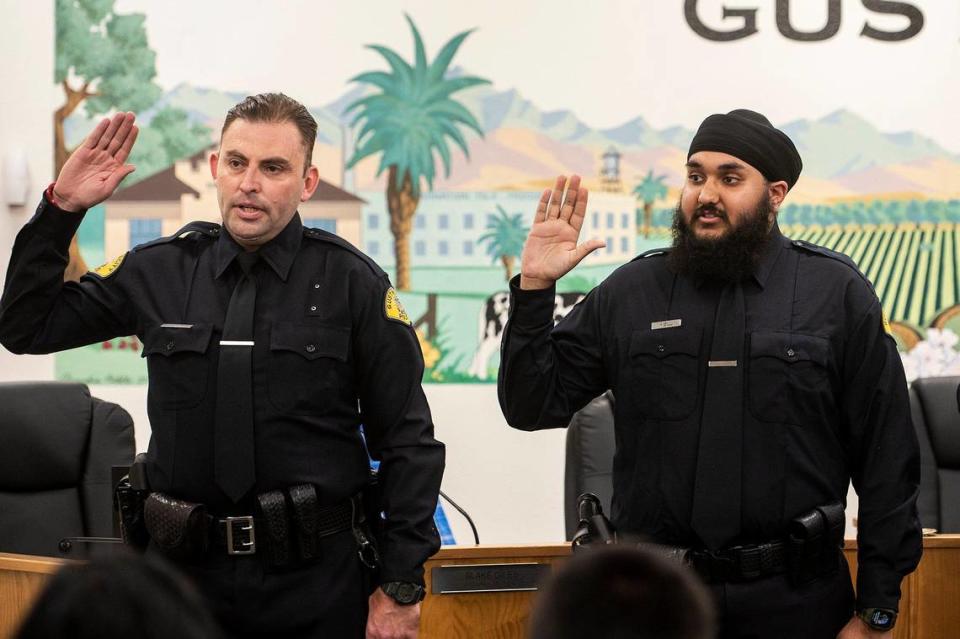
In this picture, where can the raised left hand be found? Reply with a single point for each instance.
(389, 620)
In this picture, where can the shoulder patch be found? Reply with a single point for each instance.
(886, 323)
(834, 255)
(651, 253)
(393, 309)
(109, 268)
(326, 236)
(193, 229)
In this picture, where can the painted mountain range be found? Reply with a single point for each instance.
(845, 157)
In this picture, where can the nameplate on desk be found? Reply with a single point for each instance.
(461, 578)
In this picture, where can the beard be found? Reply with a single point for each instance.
(728, 258)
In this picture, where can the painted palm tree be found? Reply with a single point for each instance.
(408, 121)
(504, 238)
(649, 191)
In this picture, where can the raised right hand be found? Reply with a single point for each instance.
(96, 167)
(551, 250)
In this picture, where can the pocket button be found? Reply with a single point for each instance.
(310, 348)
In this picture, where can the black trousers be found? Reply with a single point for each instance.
(773, 609)
(324, 599)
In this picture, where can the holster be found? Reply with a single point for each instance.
(180, 528)
(368, 527)
(815, 540)
(129, 496)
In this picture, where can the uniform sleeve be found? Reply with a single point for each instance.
(399, 432)
(546, 373)
(885, 463)
(39, 312)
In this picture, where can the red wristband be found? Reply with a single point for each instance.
(50, 196)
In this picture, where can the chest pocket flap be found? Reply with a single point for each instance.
(665, 342)
(179, 338)
(790, 347)
(311, 341)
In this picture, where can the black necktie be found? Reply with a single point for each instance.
(716, 495)
(234, 464)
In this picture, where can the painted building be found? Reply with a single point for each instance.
(448, 226)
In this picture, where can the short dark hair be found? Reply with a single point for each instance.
(118, 598)
(622, 592)
(276, 107)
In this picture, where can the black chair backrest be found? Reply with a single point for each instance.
(936, 417)
(57, 447)
(589, 458)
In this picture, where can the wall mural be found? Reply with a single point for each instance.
(434, 170)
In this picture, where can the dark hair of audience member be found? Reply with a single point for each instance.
(622, 592)
(122, 597)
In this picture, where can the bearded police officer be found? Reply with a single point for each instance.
(754, 379)
(268, 345)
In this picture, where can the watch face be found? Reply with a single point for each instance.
(406, 593)
(880, 619)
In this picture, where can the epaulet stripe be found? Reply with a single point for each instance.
(326, 236)
(834, 255)
(651, 253)
(208, 229)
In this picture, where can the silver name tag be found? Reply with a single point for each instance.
(176, 326)
(655, 326)
(722, 363)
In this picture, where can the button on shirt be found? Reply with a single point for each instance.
(825, 399)
(326, 359)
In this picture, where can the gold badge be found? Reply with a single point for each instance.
(886, 323)
(393, 309)
(109, 268)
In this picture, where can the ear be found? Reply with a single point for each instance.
(214, 160)
(777, 191)
(310, 183)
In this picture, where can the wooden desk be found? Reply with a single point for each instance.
(929, 608)
(22, 577)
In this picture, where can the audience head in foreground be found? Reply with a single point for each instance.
(122, 597)
(622, 592)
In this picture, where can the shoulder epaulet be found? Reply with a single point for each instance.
(326, 236)
(816, 249)
(192, 230)
(651, 253)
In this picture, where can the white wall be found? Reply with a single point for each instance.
(27, 102)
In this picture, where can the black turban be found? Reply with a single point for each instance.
(749, 136)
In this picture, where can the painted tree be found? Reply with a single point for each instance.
(169, 136)
(504, 239)
(648, 191)
(408, 121)
(103, 62)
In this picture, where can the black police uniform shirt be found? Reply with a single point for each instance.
(825, 398)
(328, 356)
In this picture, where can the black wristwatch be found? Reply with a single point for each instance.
(878, 618)
(404, 593)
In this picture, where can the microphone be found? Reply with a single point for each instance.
(476, 537)
(593, 527)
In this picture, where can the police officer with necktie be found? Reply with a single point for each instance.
(268, 345)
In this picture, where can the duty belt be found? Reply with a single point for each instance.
(238, 535)
(740, 563)
(287, 528)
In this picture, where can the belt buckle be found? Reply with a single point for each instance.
(243, 525)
